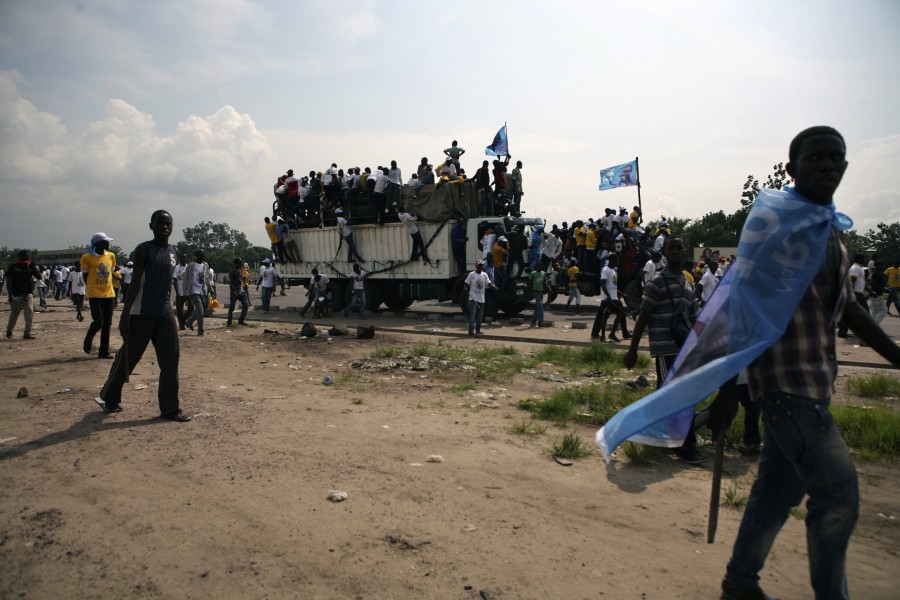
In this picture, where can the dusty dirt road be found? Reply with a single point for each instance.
(233, 504)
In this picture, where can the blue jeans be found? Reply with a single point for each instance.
(476, 312)
(538, 317)
(359, 298)
(242, 298)
(803, 453)
(199, 306)
(267, 297)
(42, 296)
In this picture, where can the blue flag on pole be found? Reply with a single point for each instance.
(500, 145)
(619, 176)
(782, 247)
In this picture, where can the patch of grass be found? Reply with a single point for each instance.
(462, 388)
(733, 498)
(558, 408)
(356, 401)
(798, 512)
(595, 357)
(591, 404)
(874, 386)
(387, 352)
(530, 429)
(871, 431)
(570, 445)
(641, 454)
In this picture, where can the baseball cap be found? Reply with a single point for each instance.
(100, 237)
(266, 261)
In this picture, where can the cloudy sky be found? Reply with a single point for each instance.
(112, 109)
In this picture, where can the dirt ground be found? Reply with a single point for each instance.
(234, 504)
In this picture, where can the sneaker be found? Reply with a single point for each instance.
(613, 338)
(107, 355)
(86, 349)
(626, 336)
(107, 408)
(189, 325)
(242, 323)
(178, 417)
(693, 458)
(471, 333)
(734, 592)
(745, 448)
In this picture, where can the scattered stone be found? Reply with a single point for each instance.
(270, 331)
(338, 331)
(22, 393)
(64, 391)
(435, 458)
(579, 325)
(141, 386)
(555, 378)
(337, 496)
(328, 380)
(593, 374)
(563, 461)
(308, 330)
(514, 321)
(365, 332)
(469, 528)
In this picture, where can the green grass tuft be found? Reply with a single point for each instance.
(874, 386)
(641, 454)
(570, 445)
(530, 429)
(733, 498)
(871, 431)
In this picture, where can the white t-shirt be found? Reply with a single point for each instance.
(343, 226)
(76, 282)
(358, 279)
(267, 276)
(201, 273)
(859, 284)
(659, 243)
(477, 283)
(381, 181)
(610, 291)
(650, 270)
(179, 276)
(126, 274)
(410, 222)
(709, 283)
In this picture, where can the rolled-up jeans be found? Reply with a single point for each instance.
(476, 311)
(538, 316)
(803, 453)
(199, 307)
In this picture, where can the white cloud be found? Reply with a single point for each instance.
(122, 162)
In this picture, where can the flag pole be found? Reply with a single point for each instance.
(637, 168)
(507, 139)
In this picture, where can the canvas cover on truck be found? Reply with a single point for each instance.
(438, 203)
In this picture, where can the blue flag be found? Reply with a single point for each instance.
(782, 248)
(619, 176)
(500, 145)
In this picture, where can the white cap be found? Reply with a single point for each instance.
(100, 237)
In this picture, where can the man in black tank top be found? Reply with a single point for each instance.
(147, 316)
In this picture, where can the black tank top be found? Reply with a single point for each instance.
(156, 281)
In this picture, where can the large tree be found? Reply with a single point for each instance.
(221, 243)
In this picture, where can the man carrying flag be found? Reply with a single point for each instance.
(775, 312)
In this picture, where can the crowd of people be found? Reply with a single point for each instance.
(374, 195)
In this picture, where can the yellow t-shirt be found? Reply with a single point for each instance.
(580, 236)
(590, 240)
(573, 272)
(893, 277)
(98, 274)
(273, 235)
(632, 219)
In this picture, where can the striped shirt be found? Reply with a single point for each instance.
(663, 294)
(804, 362)
(156, 281)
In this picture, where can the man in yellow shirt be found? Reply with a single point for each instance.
(892, 274)
(574, 293)
(97, 266)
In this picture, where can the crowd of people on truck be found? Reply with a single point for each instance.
(374, 196)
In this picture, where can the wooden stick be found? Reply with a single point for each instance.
(716, 487)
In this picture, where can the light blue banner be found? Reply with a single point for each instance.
(619, 176)
(500, 145)
(782, 247)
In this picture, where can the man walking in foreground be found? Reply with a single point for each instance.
(803, 451)
(147, 316)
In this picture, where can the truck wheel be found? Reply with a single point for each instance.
(335, 293)
(373, 297)
(460, 297)
(394, 301)
(512, 309)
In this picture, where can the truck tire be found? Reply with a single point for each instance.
(512, 309)
(460, 297)
(335, 292)
(393, 300)
(373, 297)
